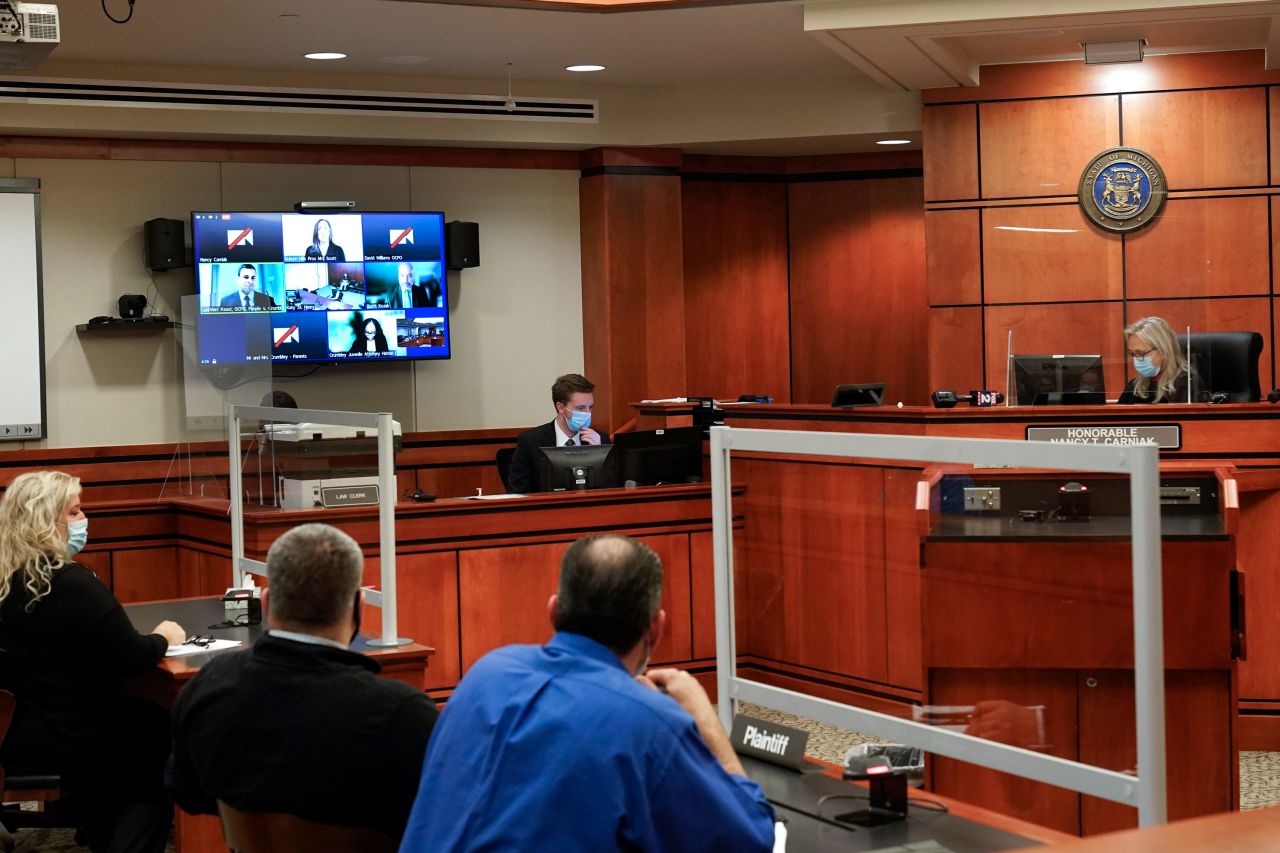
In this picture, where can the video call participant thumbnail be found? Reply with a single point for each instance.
(403, 236)
(246, 296)
(237, 238)
(332, 237)
(364, 334)
(405, 284)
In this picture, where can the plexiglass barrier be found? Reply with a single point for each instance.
(972, 602)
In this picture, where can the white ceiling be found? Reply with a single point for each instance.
(723, 45)
(762, 78)
(921, 44)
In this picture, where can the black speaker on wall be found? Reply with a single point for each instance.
(165, 243)
(461, 245)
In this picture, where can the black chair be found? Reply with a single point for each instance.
(503, 461)
(22, 786)
(1227, 363)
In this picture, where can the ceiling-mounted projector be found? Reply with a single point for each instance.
(28, 34)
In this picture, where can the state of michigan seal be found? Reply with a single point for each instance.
(1122, 189)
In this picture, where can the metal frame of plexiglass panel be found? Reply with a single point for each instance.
(385, 597)
(1140, 464)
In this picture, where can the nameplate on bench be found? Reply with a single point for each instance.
(1163, 436)
(331, 496)
(772, 742)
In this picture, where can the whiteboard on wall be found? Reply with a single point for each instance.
(22, 405)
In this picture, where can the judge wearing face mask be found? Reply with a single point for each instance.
(1163, 371)
(573, 395)
(66, 647)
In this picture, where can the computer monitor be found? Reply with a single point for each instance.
(1058, 380)
(587, 466)
(660, 456)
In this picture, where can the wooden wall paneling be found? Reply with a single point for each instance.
(1213, 315)
(953, 261)
(858, 290)
(950, 152)
(632, 290)
(1207, 138)
(1201, 247)
(459, 481)
(1012, 604)
(98, 562)
(427, 589)
(146, 574)
(1256, 557)
(1048, 253)
(1156, 73)
(902, 579)
(504, 592)
(202, 573)
(1273, 122)
(702, 596)
(676, 642)
(1037, 802)
(1200, 763)
(503, 596)
(736, 289)
(1040, 147)
(1084, 328)
(815, 554)
(955, 348)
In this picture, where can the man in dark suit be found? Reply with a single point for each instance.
(246, 297)
(300, 724)
(573, 396)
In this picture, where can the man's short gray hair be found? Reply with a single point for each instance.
(314, 571)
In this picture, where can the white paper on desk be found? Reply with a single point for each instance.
(668, 400)
(503, 497)
(779, 837)
(185, 649)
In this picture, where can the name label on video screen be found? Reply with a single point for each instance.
(1163, 436)
(331, 496)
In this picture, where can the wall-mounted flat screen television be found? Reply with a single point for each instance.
(330, 287)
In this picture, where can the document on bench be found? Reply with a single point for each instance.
(195, 649)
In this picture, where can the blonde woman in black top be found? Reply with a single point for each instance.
(1163, 371)
(66, 647)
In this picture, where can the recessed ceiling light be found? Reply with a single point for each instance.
(893, 142)
(325, 55)
(289, 16)
(584, 68)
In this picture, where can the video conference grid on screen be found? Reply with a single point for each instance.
(320, 287)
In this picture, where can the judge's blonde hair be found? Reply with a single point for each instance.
(1160, 336)
(32, 547)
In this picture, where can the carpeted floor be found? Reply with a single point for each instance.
(1259, 776)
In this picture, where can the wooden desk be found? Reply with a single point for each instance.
(1237, 832)
(963, 828)
(203, 833)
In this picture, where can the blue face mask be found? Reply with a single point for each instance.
(577, 421)
(1143, 365)
(77, 535)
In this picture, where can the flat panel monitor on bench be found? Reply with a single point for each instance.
(1058, 380)
(660, 456)
(584, 466)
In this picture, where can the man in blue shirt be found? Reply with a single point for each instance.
(564, 747)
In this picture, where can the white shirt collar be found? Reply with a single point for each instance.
(562, 436)
(310, 639)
